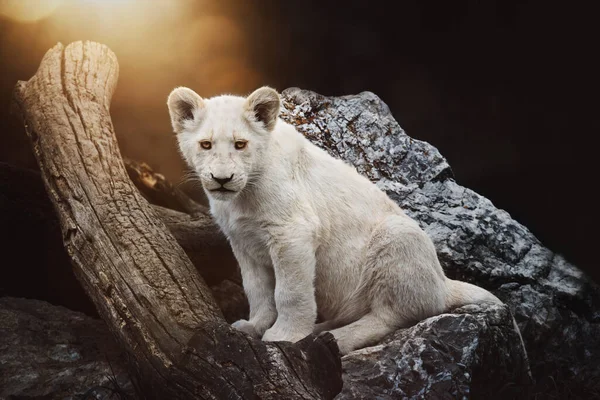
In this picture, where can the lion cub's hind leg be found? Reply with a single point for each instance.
(366, 331)
(404, 283)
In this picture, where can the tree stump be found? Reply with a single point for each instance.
(141, 281)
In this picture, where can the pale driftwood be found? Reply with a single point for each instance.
(197, 234)
(24, 202)
(203, 243)
(139, 278)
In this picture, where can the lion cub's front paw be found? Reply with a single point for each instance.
(246, 327)
(280, 335)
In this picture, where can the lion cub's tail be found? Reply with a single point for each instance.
(463, 293)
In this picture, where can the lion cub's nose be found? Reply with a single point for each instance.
(222, 181)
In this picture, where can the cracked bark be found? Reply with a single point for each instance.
(141, 281)
(23, 195)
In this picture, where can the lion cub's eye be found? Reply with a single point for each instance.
(206, 144)
(240, 144)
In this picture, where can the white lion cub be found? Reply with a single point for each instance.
(311, 234)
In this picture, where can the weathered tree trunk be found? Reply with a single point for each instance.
(189, 222)
(203, 243)
(22, 192)
(139, 278)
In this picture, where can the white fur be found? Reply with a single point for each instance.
(311, 234)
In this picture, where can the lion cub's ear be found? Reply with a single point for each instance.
(184, 105)
(263, 106)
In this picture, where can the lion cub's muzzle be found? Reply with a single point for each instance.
(221, 182)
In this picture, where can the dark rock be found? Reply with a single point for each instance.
(473, 352)
(51, 352)
(555, 305)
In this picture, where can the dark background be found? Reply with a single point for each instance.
(505, 91)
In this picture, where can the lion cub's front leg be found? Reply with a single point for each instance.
(259, 286)
(293, 256)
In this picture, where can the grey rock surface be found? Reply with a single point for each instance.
(555, 305)
(49, 352)
(474, 352)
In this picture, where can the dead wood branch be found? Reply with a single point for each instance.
(139, 278)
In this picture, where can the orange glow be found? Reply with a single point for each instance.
(28, 10)
(160, 44)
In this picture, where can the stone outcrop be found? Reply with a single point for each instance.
(50, 352)
(555, 305)
(473, 352)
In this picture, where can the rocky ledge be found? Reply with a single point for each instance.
(474, 352)
(556, 306)
(50, 352)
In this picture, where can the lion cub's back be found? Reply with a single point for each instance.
(339, 189)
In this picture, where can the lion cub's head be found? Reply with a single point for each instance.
(224, 138)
